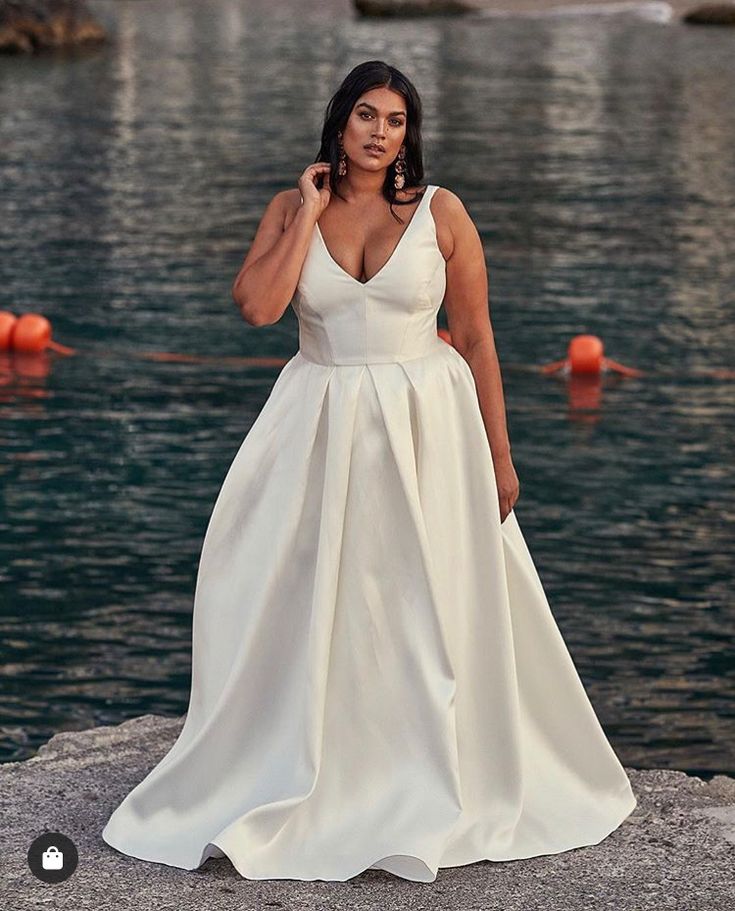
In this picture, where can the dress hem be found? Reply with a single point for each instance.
(587, 841)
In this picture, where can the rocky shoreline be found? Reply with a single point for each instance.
(33, 26)
(676, 849)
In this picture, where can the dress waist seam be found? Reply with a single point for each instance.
(388, 359)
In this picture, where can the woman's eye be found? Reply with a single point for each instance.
(394, 121)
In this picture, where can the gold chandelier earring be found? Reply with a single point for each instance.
(342, 165)
(400, 168)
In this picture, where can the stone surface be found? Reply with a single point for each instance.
(676, 850)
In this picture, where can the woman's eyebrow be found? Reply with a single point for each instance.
(364, 104)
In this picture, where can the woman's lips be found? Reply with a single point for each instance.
(372, 151)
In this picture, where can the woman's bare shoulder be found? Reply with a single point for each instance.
(448, 201)
(289, 202)
(450, 217)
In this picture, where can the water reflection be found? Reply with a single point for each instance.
(594, 158)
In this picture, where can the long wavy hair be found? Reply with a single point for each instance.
(365, 76)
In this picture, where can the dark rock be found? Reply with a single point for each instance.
(398, 8)
(28, 26)
(711, 14)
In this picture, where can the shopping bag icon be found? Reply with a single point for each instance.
(52, 859)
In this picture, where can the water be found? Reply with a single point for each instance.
(595, 156)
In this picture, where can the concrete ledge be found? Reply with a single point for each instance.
(677, 850)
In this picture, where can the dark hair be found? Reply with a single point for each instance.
(365, 76)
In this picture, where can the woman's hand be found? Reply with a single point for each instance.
(311, 196)
(506, 480)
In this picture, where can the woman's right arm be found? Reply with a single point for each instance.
(266, 282)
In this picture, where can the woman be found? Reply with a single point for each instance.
(378, 681)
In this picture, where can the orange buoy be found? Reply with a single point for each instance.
(32, 334)
(585, 354)
(7, 325)
(585, 357)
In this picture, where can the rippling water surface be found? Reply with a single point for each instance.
(596, 160)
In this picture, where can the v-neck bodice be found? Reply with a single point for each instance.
(416, 214)
(389, 317)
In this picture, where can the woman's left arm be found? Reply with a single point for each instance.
(468, 315)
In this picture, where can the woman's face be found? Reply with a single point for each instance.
(379, 116)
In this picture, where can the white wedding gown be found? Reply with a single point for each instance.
(377, 679)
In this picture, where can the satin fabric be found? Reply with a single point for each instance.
(377, 678)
